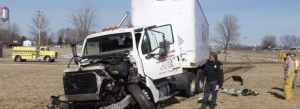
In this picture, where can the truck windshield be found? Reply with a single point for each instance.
(96, 46)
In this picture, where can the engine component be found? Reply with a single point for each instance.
(120, 70)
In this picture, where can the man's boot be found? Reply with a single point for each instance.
(212, 107)
(203, 106)
(289, 98)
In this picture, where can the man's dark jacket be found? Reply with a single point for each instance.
(213, 71)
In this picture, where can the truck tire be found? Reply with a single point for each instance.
(139, 97)
(47, 59)
(190, 84)
(199, 81)
(18, 58)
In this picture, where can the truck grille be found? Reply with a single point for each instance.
(80, 83)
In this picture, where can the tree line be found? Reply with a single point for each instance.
(83, 21)
(228, 35)
(286, 42)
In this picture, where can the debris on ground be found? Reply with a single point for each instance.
(56, 103)
(238, 79)
(238, 92)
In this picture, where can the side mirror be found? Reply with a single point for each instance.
(74, 52)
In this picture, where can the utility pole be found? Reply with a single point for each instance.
(39, 12)
(68, 37)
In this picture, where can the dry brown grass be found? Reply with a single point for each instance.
(30, 85)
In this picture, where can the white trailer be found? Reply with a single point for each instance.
(189, 24)
(191, 36)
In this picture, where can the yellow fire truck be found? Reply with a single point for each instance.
(20, 54)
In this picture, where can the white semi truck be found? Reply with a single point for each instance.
(142, 65)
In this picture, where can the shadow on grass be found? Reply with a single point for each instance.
(279, 89)
(277, 95)
(169, 102)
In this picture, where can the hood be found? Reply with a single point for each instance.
(88, 68)
(52, 52)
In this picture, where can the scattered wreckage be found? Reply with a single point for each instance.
(238, 92)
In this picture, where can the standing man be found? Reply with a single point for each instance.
(293, 56)
(292, 65)
(285, 65)
(213, 72)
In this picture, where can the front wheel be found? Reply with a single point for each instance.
(47, 59)
(139, 97)
(18, 59)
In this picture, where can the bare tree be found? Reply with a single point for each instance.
(228, 32)
(288, 41)
(284, 41)
(2, 36)
(10, 34)
(14, 33)
(68, 36)
(43, 39)
(23, 38)
(60, 40)
(49, 39)
(268, 42)
(83, 20)
(39, 26)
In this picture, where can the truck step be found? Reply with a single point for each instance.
(168, 97)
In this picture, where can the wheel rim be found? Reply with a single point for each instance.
(146, 94)
(47, 59)
(18, 59)
(200, 84)
(193, 86)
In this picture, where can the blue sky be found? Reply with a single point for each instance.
(256, 17)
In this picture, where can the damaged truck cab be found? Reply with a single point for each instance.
(143, 65)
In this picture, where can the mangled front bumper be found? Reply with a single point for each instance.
(58, 104)
(83, 86)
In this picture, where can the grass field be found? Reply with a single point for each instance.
(29, 85)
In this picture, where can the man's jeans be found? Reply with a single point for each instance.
(210, 88)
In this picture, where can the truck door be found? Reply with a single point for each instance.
(43, 52)
(155, 64)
